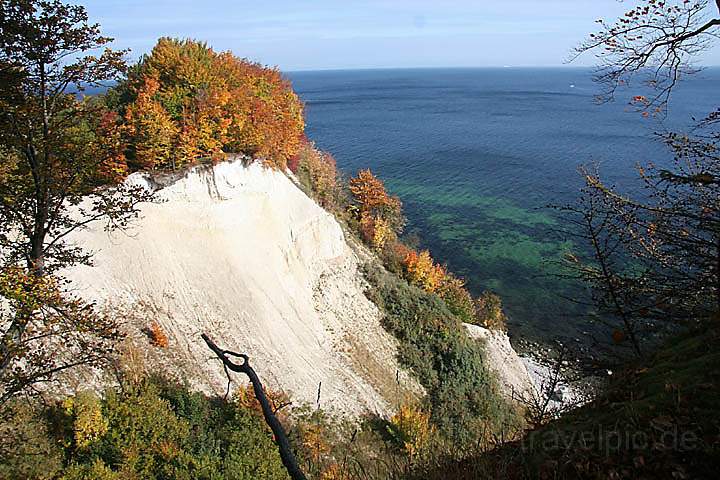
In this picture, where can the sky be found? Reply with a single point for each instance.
(349, 34)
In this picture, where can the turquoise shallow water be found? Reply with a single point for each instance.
(477, 154)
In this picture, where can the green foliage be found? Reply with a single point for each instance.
(153, 430)
(96, 470)
(26, 448)
(464, 399)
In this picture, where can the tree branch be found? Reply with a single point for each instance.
(286, 454)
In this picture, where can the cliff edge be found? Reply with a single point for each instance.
(241, 253)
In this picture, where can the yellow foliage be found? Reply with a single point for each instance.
(411, 428)
(88, 421)
(152, 130)
(382, 233)
(422, 271)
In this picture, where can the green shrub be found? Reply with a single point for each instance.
(97, 470)
(155, 429)
(26, 448)
(463, 394)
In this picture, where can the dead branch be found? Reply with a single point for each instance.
(286, 454)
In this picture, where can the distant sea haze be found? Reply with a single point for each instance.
(477, 154)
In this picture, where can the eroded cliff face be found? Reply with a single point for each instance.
(243, 254)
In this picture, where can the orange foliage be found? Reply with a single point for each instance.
(207, 103)
(380, 215)
(113, 167)
(157, 335)
(369, 192)
(400, 250)
(245, 398)
(422, 271)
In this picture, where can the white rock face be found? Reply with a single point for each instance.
(509, 367)
(242, 254)
(523, 378)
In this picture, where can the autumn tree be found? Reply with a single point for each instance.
(656, 257)
(422, 271)
(185, 102)
(56, 151)
(153, 132)
(378, 213)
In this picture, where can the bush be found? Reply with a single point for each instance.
(457, 298)
(27, 450)
(422, 271)
(410, 429)
(463, 395)
(489, 312)
(317, 172)
(371, 201)
(156, 429)
(157, 335)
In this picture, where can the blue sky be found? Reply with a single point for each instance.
(339, 34)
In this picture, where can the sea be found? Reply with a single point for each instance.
(477, 156)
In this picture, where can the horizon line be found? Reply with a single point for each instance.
(460, 67)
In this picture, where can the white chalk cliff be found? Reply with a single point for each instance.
(240, 252)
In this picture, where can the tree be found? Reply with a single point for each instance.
(152, 130)
(655, 258)
(653, 43)
(374, 206)
(52, 165)
(187, 99)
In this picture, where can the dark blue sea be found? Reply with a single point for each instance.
(477, 154)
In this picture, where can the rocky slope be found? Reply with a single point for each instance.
(243, 254)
